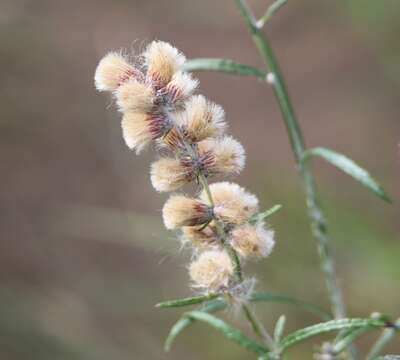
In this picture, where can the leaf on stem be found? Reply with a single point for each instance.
(231, 333)
(279, 328)
(265, 214)
(332, 325)
(292, 301)
(187, 301)
(184, 322)
(349, 167)
(223, 65)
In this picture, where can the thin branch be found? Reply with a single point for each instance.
(272, 9)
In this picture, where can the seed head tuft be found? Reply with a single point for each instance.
(162, 61)
(252, 240)
(232, 203)
(222, 155)
(200, 238)
(112, 71)
(135, 96)
(180, 210)
(212, 270)
(202, 119)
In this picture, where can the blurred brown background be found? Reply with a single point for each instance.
(84, 256)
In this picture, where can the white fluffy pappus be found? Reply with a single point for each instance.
(223, 155)
(112, 71)
(162, 61)
(140, 129)
(232, 203)
(181, 210)
(212, 270)
(170, 174)
(199, 237)
(135, 96)
(181, 86)
(201, 119)
(253, 241)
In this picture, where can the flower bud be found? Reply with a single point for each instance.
(201, 119)
(112, 71)
(180, 210)
(232, 203)
(139, 129)
(252, 240)
(162, 61)
(212, 270)
(222, 155)
(135, 96)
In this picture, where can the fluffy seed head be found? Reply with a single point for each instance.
(212, 270)
(233, 204)
(181, 86)
(112, 71)
(169, 174)
(162, 61)
(252, 240)
(135, 96)
(139, 129)
(200, 238)
(202, 119)
(180, 210)
(222, 155)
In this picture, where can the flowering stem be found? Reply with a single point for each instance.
(256, 325)
(318, 224)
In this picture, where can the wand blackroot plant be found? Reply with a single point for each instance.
(222, 223)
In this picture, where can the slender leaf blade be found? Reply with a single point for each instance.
(328, 326)
(231, 333)
(279, 328)
(223, 65)
(265, 214)
(187, 301)
(348, 166)
(271, 297)
(184, 322)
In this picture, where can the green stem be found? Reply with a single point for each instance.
(318, 224)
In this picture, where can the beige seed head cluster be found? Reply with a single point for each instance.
(155, 96)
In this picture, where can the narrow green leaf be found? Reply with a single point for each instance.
(231, 333)
(332, 325)
(386, 336)
(184, 322)
(349, 338)
(279, 328)
(223, 65)
(316, 310)
(349, 167)
(265, 214)
(187, 301)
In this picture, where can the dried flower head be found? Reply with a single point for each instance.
(222, 155)
(169, 174)
(252, 240)
(162, 61)
(232, 203)
(212, 270)
(139, 129)
(181, 87)
(180, 210)
(112, 71)
(201, 237)
(201, 119)
(136, 96)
